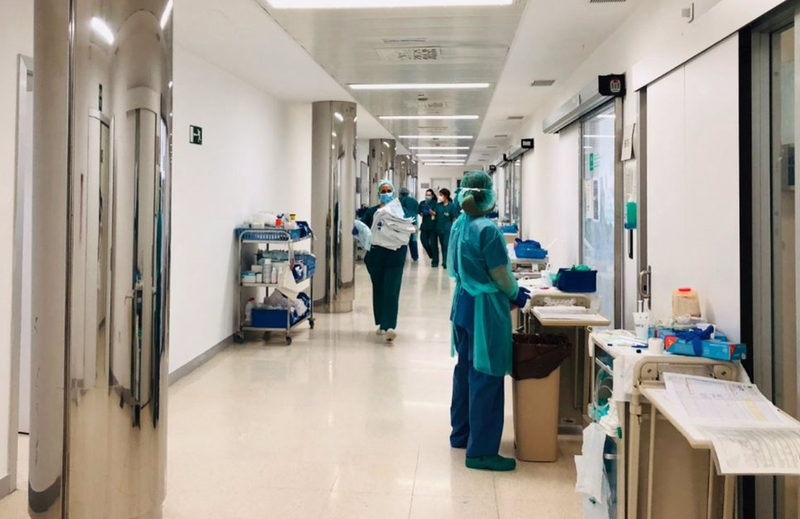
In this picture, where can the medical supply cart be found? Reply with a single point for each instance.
(250, 240)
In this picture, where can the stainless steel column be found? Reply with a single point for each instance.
(381, 165)
(101, 244)
(333, 204)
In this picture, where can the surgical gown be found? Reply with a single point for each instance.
(481, 334)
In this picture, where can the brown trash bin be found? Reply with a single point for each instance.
(536, 384)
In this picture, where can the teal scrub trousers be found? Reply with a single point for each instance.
(444, 240)
(385, 269)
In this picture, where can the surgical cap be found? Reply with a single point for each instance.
(404, 191)
(385, 183)
(477, 195)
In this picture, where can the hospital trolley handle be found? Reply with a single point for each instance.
(645, 281)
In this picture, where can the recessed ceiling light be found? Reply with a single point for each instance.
(439, 148)
(379, 4)
(441, 154)
(420, 86)
(455, 137)
(427, 117)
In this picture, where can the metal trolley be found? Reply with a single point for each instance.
(267, 236)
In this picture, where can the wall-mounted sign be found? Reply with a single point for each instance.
(425, 185)
(196, 135)
(527, 144)
(612, 85)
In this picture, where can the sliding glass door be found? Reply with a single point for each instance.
(598, 205)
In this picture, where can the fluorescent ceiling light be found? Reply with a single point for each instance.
(421, 86)
(165, 15)
(598, 137)
(380, 4)
(441, 154)
(435, 137)
(427, 117)
(103, 30)
(339, 117)
(439, 148)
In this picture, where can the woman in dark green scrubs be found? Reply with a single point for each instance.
(385, 269)
(446, 214)
(427, 209)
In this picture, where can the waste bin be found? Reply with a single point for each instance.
(537, 376)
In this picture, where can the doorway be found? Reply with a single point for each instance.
(775, 232)
(22, 260)
(443, 183)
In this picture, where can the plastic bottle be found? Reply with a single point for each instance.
(266, 272)
(248, 310)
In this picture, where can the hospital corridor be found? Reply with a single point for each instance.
(399, 259)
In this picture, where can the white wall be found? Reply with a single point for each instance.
(241, 168)
(16, 37)
(654, 36)
(693, 184)
(426, 173)
(296, 192)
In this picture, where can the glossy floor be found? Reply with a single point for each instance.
(341, 426)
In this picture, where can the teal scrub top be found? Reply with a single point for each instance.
(369, 216)
(410, 207)
(445, 216)
(428, 223)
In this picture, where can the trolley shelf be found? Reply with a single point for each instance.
(267, 236)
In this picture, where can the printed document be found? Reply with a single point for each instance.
(756, 451)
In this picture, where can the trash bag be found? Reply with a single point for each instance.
(537, 356)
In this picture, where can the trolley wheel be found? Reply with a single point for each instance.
(288, 340)
(238, 338)
(311, 323)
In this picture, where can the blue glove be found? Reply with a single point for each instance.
(426, 211)
(523, 296)
(355, 231)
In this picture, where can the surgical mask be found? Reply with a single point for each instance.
(428, 198)
(386, 197)
(441, 199)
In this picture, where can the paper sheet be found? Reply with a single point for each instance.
(713, 401)
(756, 451)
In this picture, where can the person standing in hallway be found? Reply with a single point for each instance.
(411, 208)
(485, 290)
(446, 214)
(385, 266)
(428, 228)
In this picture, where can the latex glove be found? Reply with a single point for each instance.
(426, 211)
(523, 296)
(355, 231)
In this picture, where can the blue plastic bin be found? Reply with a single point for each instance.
(263, 318)
(577, 281)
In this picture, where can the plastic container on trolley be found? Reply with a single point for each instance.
(577, 281)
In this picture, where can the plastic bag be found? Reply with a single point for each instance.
(589, 465)
(537, 356)
(364, 236)
(596, 509)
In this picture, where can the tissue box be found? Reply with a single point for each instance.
(712, 349)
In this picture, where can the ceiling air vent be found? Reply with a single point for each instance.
(607, 1)
(502, 136)
(410, 54)
(516, 117)
(545, 82)
(405, 41)
(432, 127)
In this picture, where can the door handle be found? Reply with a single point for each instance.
(645, 280)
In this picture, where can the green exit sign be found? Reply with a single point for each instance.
(196, 135)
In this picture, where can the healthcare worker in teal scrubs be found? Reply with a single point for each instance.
(484, 293)
(385, 269)
(446, 214)
(411, 209)
(427, 209)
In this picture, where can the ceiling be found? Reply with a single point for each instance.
(411, 45)
(507, 47)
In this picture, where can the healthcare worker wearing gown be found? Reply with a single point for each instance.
(485, 290)
(385, 269)
(411, 209)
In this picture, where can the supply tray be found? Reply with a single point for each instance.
(270, 234)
